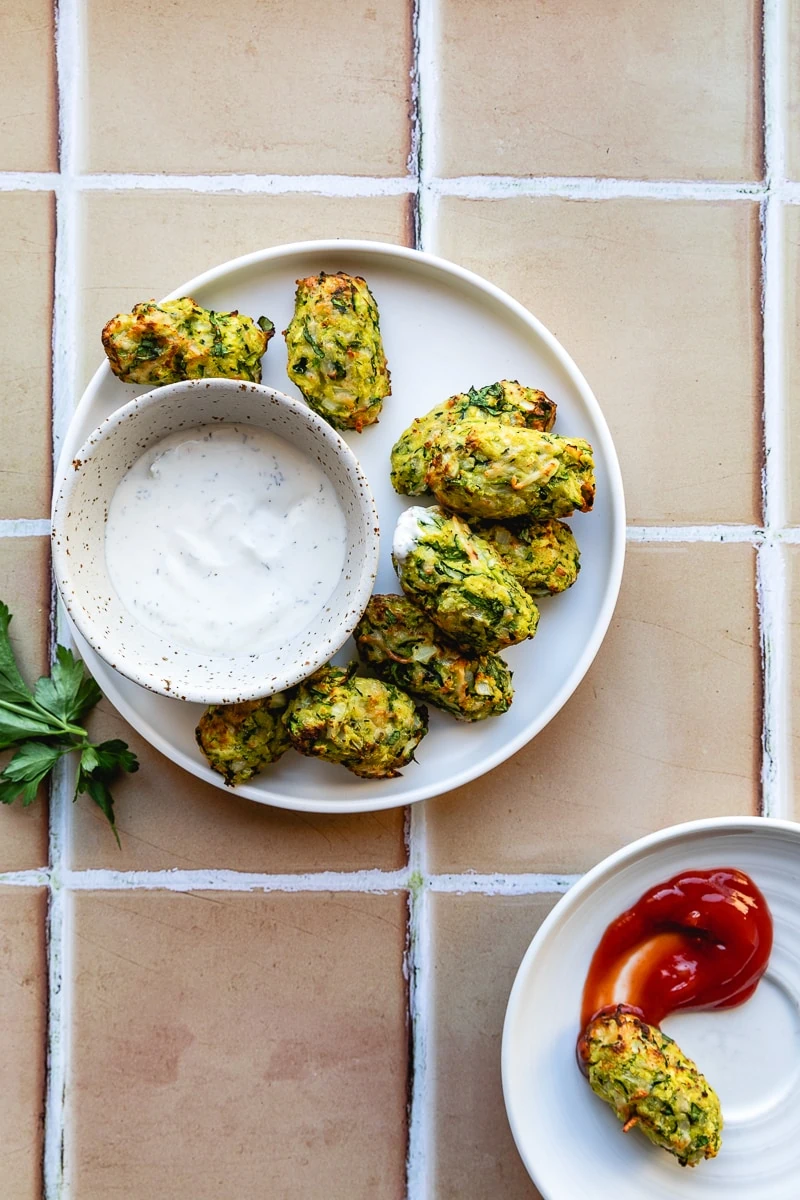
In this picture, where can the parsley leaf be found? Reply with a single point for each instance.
(41, 723)
(32, 763)
(112, 756)
(12, 685)
(11, 791)
(33, 760)
(67, 693)
(15, 725)
(99, 791)
(98, 765)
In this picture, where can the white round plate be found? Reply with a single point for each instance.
(570, 1141)
(444, 330)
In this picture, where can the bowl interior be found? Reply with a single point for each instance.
(80, 512)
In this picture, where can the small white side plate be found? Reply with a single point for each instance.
(445, 330)
(570, 1141)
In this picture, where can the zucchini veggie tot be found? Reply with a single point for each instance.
(178, 339)
(335, 350)
(403, 647)
(370, 727)
(460, 583)
(651, 1085)
(542, 555)
(240, 739)
(507, 401)
(485, 469)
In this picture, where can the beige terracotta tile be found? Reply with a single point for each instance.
(649, 91)
(28, 119)
(659, 303)
(317, 88)
(25, 588)
(793, 575)
(791, 216)
(665, 727)
(168, 818)
(793, 92)
(131, 251)
(238, 1045)
(26, 268)
(477, 945)
(23, 1019)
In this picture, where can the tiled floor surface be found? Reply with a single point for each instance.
(265, 1022)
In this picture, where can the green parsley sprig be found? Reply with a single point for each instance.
(43, 725)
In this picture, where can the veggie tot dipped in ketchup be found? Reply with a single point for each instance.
(700, 940)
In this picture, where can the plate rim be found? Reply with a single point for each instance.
(600, 873)
(444, 266)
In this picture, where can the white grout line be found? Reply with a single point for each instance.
(421, 1003)
(427, 121)
(270, 185)
(502, 885)
(65, 314)
(25, 878)
(773, 609)
(772, 601)
(419, 1184)
(695, 533)
(772, 306)
(237, 881)
(775, 41)
(470, 187)
(488, 187)
(57, 1035)
(29, 181)
(20, 527)
(415, 142)
(412, 878)
(65, 327)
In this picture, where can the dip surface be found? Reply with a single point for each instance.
(225, 539)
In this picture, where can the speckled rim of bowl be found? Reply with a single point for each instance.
(130, 666)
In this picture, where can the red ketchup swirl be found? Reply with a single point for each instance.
(700, 940)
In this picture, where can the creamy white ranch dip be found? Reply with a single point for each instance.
(410, 524)
(225, 539)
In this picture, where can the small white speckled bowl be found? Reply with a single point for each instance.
(80, 511)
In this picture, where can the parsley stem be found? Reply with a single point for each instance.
(36, 712)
